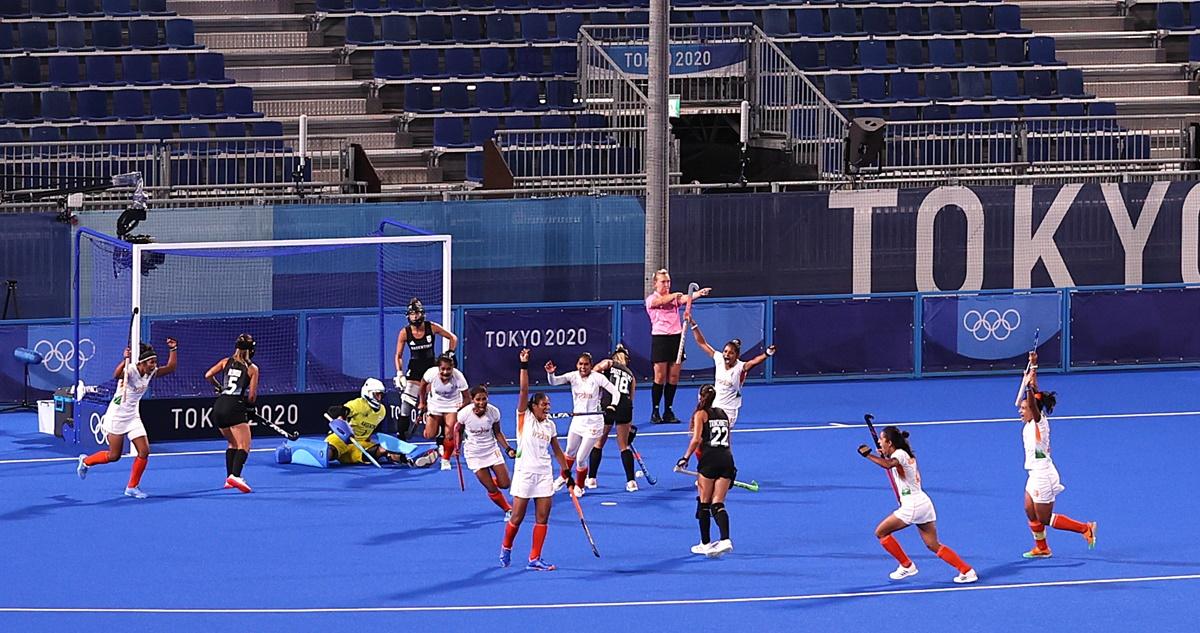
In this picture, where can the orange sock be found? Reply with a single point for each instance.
(948, 555)
(539, 539)
(890, 544)
(1039, 534)
(498, 499)
(580, 477)
(510, 534)
(1060, 522)
(447, 448)
(99, 457)
(135, 473)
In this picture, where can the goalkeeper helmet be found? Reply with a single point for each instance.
(416, 309)
(372, 392)
(246, 342)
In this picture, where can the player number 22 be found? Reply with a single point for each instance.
(720, 437)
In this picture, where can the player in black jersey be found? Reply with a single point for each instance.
(710, 433)
(616, 369)
(418, 337)
(239, 389)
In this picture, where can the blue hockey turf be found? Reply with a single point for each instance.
(351, 548)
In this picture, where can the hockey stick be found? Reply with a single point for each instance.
(692, 288)
(650, 478)
(458, 460)
(752, 486)
(1028, 365)
(875, 436)
(358, 446)
(570, 414)
(583, 522)
(254, 417)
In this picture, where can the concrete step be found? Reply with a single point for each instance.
(369, 141)
(271, 40)
(280, 57)
(348, 89)
(1081, 24)
(409, 175)
(252, 22)
(1106, 40)
(338, 125)
(230, 7)
(313, 72)
(1166, 107)
(1159, 123)
(1096, 56)
(1067, 8)
(1109, 89)
(1135, 72)
(296, 107)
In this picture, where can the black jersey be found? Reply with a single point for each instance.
(237, 379)
(715, 434)
(620, 376)
(420, 352)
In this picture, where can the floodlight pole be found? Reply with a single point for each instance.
(657, 134)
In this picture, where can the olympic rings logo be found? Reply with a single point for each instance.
(991, 324)
(61, 355)
(96, 424)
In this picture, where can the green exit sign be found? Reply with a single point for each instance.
(674, 106)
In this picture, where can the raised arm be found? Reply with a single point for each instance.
(554, 378)
(700, 340)
(658, 301)
(687, 302)
(757, 360)
(1032, 388)
(172, 358)
(523, 397)
(879, 460)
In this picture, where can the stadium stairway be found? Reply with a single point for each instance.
(270, 46)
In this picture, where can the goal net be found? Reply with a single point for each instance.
(324, 312)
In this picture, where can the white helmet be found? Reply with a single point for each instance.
(371, 387)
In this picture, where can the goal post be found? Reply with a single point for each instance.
(324, 312)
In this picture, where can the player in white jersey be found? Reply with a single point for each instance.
(1043, 485)
(916, 508)
(731, 371)
(481, 445)
(585, 430)
(443, 393)
(123, 417)
(533, 473)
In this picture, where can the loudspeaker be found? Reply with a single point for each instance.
(361, 169)
(496, 174)
(864, 143)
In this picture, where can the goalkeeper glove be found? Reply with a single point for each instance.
(398, 382)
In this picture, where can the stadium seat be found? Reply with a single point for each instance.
(466, 29)
(118, 8)
(525, 95)
(531, 62)
(843, 21)
(154, 7)
(448, 133)
(431, 29)
(27, 71)
(82, 133)
(425, 63)
(56, 107)
(910, 53)
(34, 36)
(942, 19)
(501, 28)
(64, 71)
(181, 33)
(396, 29)
(876, 20)
(837, 88)
(564, 61)
(481, 129)
(92, 106)
(776, 22)
(977, 18)
(566, 26)
(210, 68)
(810, 21)
(455, 98)
(490, 97)
(910, 20)
(977, 51)
(1004, 86)
(18, 106)
(360, 30)
(805, 55)
(1010, 51)
(872, 87)
(494, 62)
(101, 70)
(904, 86)
(560, 94)
(840, 54)
(460, 62)
(69, 36)
(389, 64)
(143, 34)
(418, 98)
(1170, 15)
(1039, 84)
(83, 8)
(873, 54)
(173, 69)
(1007, 18)
(1041, 51)
(535, 27)
(108, 35)
(971, 85)
(1070, 84)
(938, 86)
(7, 43)
(368, 5)
(165, 104)
(943, 53)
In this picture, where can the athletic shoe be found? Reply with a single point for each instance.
(538, 564)
(904, 572)
(720, 548)
(81, 468)
(505, 556)
(1037, 552)
(445, 464)
(655, 418)
(631, 486)
(1090, 535)
(227, 485)
(966, 578)
(237, 482)
(669, 417)
(426, 460)
(559, 483)
(702, 549)
(135, 492)
(590, 483)
(579, 492)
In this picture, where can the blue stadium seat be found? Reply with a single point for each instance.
(34, 36)
(165, 103)
(564, 61)
(27, 71)
(68, 36)
(776, 22)
(118, 8)
(18, 106)
(501, 28)
(1039, 84)
(535, 27)
(173, 69)
(904, 86)
(210, 68)
(332, 6)
(944, 54)
(560, 94)
(1004, 85)
(637, 17)
(13, 9)
(566, 26)
(93, 106)
(56, 107)
(495, 62)
(83, 133)
(235, 132)
(143, 34)
(64, 71)
(806, 55)
(743, 16)
(977, 18)
(943, 19)
(511, 4)
(418, 98)
(369, 5)
(1041, 51)
(476, 4)
(1010, 51)
(360, 30)
(604, 18)
(437, 5)
(424, 63)
(154, 7)
(810, 21)
(448, 132)
(910, 53)
(455, 98)
(1008, 18)
(102, 70)
(876, 20)
(873, 54)
(938, 86)
(490, 97)
(135, 70)
(7, 43)
(971, 85)
(977, 51)
(460, 62)
(1170, 15)
(108, 35)
(910, 20)
(1070, 84)
(181, 33)
(431, 29)
(466, 28)
(1103, 109)
(239, 102)
(389, 64)
(4, 82)
(843, 21)
(1194, 47)
(525, 95)
(837, 88)
(482, 128)
(396, 29)
(531, 62)
(83, 8)
(872, 87)
(839, 54)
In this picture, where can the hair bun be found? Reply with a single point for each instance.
(737, 341)
(904, 434)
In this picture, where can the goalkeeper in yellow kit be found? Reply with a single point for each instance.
(362, 415)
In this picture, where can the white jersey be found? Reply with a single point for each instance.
(585, 395)
(130, 389)
(533, 445)
(1036, 438)
(728, 383)
(444, 396)
(478, 433)
(908, 486)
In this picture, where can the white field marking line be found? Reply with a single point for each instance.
(770, 429)
(630, 603)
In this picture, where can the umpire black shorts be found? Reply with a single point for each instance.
(664, 347)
